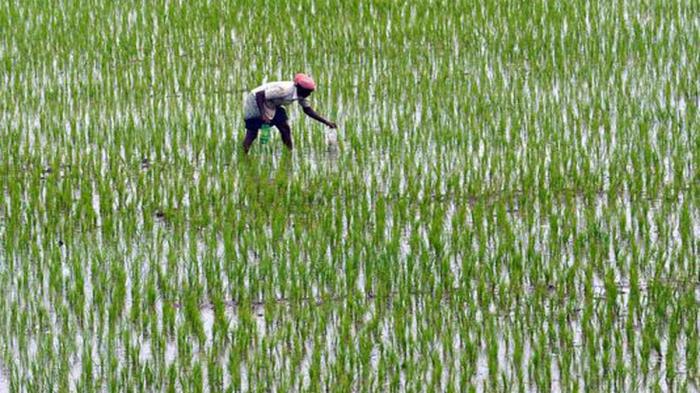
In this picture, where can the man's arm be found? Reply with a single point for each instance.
(260, 100)
(312, 114)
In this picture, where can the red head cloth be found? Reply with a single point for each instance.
(305, 81)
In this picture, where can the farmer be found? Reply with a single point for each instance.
(264, 105)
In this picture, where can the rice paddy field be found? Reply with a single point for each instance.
(513, 206)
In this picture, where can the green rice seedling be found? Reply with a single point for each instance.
(516, 209)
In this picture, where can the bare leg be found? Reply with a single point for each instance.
(286, 134)
(250, 136)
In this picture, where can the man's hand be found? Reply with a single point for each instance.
(260, 100)
(312, 114)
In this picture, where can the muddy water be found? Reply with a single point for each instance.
(4, 380)
(479, 376)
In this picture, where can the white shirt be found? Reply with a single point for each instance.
(276, 94)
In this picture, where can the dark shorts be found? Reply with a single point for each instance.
(256, 123)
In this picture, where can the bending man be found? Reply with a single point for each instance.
(265, 105)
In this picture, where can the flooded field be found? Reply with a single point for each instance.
(513, 205)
